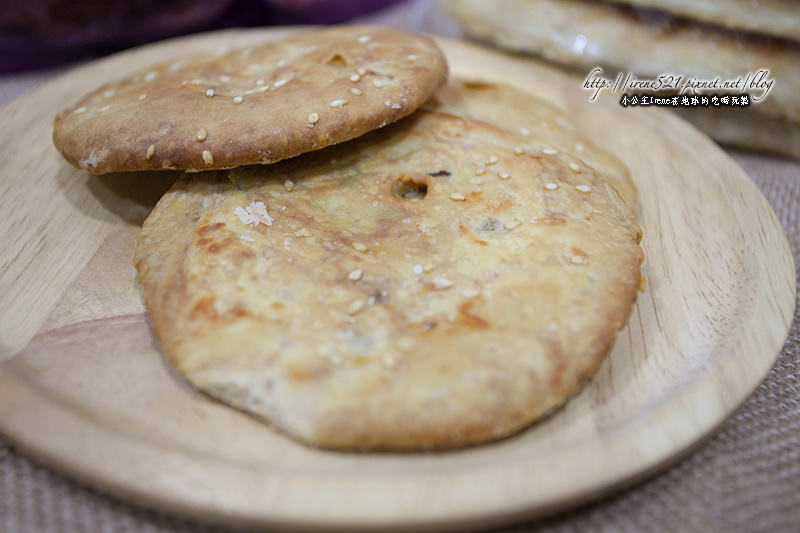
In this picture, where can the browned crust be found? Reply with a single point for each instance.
(265, 126)
(252, 328)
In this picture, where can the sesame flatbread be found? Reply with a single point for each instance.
(544, 127)
(255, 105)
(426, 286)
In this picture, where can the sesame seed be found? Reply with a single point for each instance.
(470, 293)
(503, 175)
(104, 109)
(282, 63)
(210, 93)
(238, 99)
(201, 134)
(356, 91)
(336, 360)
(355, 77)
(525, 131)
(259, 82)
(428, 267)
(583, 188)
(577, 260)
(355, 275)
(511, 224)
(579, 147)
(389, 361)
(492, 160)
(109, 93)
(359, 247)
(519, 150)
(338, 103)
(279, 83)
(442, 283)
(480, 171)
(254, 214)
(80, 110)
(551, 186)
(405, 344)
(355, 307)
(575, 167)
(361, 71)
(208, 159)
(150, 76)
(364, 38)
(303, 232)
(312, 118)
(457, 197)
(150, 151)
(288, 185)
(413, 57)
(549, 151)
(224, 78)
(417, 270)
(377, 83)
(142, 97)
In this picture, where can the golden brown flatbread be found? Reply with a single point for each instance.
(428, 285)
(259, 104)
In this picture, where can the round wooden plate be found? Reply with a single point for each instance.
(85, 388)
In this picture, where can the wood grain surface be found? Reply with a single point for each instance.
(85, 388)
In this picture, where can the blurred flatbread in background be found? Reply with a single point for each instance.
(580, 34)
(748, 131)
(776, 18)
(584, 34)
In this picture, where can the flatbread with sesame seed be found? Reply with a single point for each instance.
(544, 127)
(255, 105)
(425, 286)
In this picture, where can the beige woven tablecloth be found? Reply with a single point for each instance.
(745, 478)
